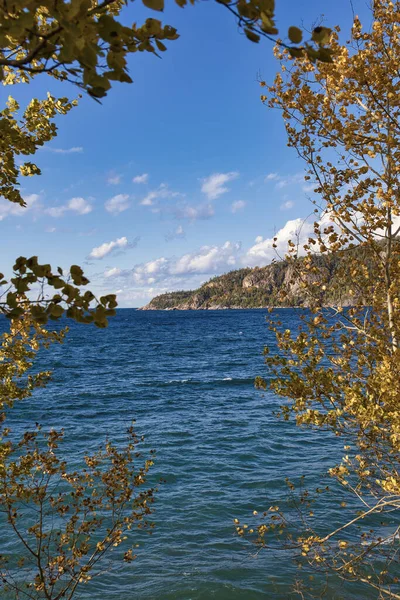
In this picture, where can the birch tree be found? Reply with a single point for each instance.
(340, 371)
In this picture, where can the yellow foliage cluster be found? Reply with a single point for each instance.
(16, 139)
(341, 371)
(66, 521)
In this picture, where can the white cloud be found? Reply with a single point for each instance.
(177, 233)
(138, 296)
(183, 210)
(78, 205)
(209, 259)
(190, 270)
(164, 201)
(117, 204)
(55, 211)
(149, 199)
(114, 179)
(162, 192)
(282, 181)
(193, 212)
(299, 231)
(12, 209)
(74, 150)
(263, 252)
(287, 205)
(172, 272)
(141, 178)
(107, 247)
(114, 272)
(214, 185)
(238, 205)
(154, 266)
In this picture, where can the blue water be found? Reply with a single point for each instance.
(187, 380)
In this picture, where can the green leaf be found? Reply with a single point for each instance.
(88, 296)
(32, 262)
(22, 286)
(154, 4)
(325, 55)
(295, 35)
(97, 92)
(41, 270)
(161, 46)
(251, 35)
(56, 282)
(170, 33)
(76, 270)
(321, 35)
(268, 24)
(12, 300)
(89, 55)
(124, 78)
(267, 6)
(101, 324)
(154, 26)
(15, 313)
(296, 52)
(19, 264)
(56, 310)
(37, 311)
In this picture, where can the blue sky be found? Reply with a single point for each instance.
(178, 177)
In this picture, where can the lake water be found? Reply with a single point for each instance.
(187, 379)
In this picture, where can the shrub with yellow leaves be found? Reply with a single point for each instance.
(59, 524)
(340, 372)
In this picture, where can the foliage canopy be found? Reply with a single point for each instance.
(65, 520)
(340, 372)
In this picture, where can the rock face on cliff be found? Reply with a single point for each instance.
(277, 284)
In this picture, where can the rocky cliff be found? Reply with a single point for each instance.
(277, 284)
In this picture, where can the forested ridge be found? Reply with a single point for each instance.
(280, 283)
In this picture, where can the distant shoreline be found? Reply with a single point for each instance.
(277, 285)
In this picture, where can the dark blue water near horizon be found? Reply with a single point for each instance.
(187, 379)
